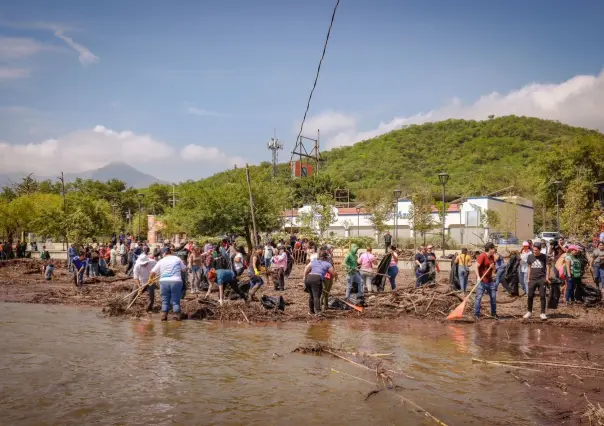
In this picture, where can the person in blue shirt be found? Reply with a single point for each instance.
(499, 268)
(71, 252)
(79, 266)
(314, 274)
(222, 277)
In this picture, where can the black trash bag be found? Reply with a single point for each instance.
(454, 274)
(273, 302)
(588, 294)
(554, 293)
(378, 281)
(106, 272)
(337, 304)
(510, 278)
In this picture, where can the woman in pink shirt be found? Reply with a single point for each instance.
(367, 260)
(279, 265)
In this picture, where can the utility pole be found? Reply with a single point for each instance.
(62, 179)
(249, 186)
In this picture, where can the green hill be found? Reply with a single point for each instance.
(480, 156)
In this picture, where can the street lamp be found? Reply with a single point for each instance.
(358, 219)
(558, 184)
(443, 178)
(397, 195)
(114, 207)
(140, 199)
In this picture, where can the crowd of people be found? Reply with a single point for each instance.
(535, 265)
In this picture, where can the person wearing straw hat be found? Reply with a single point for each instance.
(142, 271)
(484, 267)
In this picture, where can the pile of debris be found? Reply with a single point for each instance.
(436, 300)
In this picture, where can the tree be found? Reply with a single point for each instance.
(324, 212)
(380, 212)
(420, 213)
(579, 217)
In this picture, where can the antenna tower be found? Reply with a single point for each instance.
(275, 145)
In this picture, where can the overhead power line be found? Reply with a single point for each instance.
(333, 15)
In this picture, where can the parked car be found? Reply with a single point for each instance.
(547, 236)
(507, 239)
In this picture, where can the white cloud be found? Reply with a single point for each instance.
(86, 56)
(83, 150)
(21, 47)
(9, 73)
(210, 155)
(327, 122)
(578, 101)
(205, 113)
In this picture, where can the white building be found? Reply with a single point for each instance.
(462, 222)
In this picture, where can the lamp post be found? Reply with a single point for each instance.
(114, 207)
(358, 219)
(397, 195)
(140, 199)
(443, 178)
(557, 184)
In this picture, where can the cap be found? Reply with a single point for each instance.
(525, 244)
(537, 244)
(430, 246)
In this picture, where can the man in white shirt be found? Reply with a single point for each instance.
(142, 270)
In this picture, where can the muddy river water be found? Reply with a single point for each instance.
(62, 366)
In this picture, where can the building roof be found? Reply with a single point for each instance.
(453, 208)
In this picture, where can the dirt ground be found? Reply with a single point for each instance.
(22, 281)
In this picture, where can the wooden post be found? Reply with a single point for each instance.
(249, 186)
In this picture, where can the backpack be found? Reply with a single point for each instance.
(561, 267)
(222, 262)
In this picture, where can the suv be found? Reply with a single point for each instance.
(547, 236)
(503, 238)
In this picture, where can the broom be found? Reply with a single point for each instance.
(457, 313)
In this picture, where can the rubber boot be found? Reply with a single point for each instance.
(164, 316)
(252, 292)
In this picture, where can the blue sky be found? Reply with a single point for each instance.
(216, 77)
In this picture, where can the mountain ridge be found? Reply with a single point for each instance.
(114, 170)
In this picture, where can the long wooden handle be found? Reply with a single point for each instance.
(479, 281)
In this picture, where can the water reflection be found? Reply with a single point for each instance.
(76, 368)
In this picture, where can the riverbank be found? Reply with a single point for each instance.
(22, 281)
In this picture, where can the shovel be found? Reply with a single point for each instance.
(457, 313)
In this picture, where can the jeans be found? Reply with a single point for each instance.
(151, 291)
(70, 263)
(196, 278)
(499, 276)
(523, 280)
(255, 280)
(327, 283)
(463, 274)
(279, 282)
(48, 272)
(350, 280)
(171, 292)
(314, 283)
(420, 277)
(483, 288)
(571, 285)
(531, 294)
(94, 269)
(366, 278)
(78, 278)
(392, 273)
(599, 277)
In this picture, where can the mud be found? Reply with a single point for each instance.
(22, 281)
